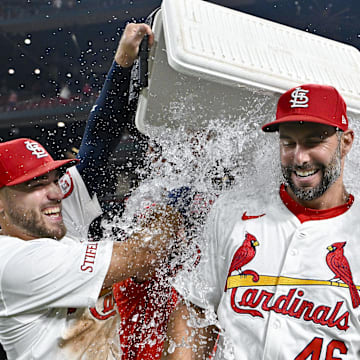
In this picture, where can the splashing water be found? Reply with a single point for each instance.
(226, 153)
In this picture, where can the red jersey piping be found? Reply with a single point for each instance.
(307, 214)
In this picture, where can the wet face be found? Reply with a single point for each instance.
(310, 158)
(33, 209)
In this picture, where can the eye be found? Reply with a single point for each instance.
(314, 141)
(34, 185)
(287, 143)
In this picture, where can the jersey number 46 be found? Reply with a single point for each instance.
(313, 350)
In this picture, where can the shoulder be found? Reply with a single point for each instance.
(21, 259)
(238, 201)
(10, 245)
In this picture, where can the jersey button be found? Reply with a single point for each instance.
(276, 324)
(294, 252)
(301, 235)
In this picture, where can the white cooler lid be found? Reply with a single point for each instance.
(225, 46)
(221, 43)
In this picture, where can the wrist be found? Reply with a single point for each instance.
(124, 60)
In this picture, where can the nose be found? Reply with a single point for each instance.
(54, 192)
(301, 155)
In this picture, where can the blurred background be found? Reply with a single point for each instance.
(55, 54)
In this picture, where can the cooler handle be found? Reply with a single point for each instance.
(143, 62)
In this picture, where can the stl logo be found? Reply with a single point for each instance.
(106, 309)
(66, 184)
(36, 149)
(299, 98)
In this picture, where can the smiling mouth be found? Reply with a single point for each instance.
(52, 212)
(305, 173)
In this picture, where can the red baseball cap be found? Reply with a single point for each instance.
(310, 103)
(24, 159)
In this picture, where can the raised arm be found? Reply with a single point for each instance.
(185, 342)
(110, 112)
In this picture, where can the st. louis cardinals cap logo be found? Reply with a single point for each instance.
(299, 98)
(312, 103)
(36, 149)
(25, 159)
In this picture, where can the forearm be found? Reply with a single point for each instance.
(111, 110)
(103, 128)
(185, 342)
(130, 259)
(147, 249)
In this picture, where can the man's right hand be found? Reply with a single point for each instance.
(131, 38)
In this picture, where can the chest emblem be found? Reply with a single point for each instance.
(339, 265)
(243, 255)
(248, 298)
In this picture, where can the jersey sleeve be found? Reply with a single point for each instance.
(103, 130)
(46, 273)
(204, 285)
(79, 209)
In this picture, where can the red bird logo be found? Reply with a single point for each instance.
(339, 265)
(244, 254)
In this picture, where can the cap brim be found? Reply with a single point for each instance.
(41, 170)
(274, 126)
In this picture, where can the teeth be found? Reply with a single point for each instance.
(305, 173)
(51, 211)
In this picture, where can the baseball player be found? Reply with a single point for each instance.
(51, 276)
(145, 307)
(282, 275)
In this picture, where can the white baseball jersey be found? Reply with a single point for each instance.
(283, 280)
(49, 303)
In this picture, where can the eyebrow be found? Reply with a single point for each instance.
(34, 181)
(322, 135)
(42, 177)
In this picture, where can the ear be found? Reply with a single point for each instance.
(347, 140)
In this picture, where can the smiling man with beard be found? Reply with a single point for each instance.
(285, 302)
(309, 178)
(34, 217)
(55, 283)
(331, 173)
(49, 276)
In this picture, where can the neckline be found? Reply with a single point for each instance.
(307, 214)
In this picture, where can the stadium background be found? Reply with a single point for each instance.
(55, 54)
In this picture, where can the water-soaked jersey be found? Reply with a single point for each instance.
(145, 307)
(49, 305)
(283, 279)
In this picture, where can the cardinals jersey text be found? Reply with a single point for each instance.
(284, 285)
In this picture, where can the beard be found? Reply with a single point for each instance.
(33, 224)
(331, 173)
